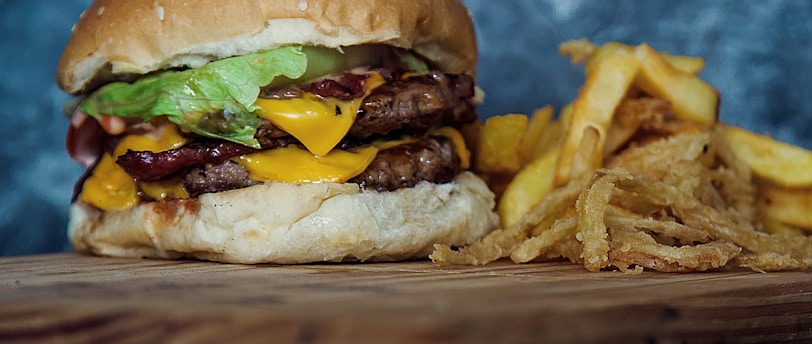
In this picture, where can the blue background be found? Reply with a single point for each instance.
(758, 53)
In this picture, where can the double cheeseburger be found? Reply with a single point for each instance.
(261, 131)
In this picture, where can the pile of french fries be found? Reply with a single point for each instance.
(783, 176)
(524, 159)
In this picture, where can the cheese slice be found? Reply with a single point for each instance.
(319, 123)
(110, 187)
(163, 189)
(293, 164)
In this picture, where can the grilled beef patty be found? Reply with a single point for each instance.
(431, 159)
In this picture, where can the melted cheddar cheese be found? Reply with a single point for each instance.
(292, 164)
(318, 123)
(109, 187)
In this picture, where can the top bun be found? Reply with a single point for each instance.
(118, 40)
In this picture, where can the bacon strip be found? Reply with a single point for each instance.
(150, 166)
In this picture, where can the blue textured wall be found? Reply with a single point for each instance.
(758, 53)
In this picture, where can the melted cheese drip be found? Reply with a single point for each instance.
(293, 164)
(110, 187)
(318, 123)
(163, 189)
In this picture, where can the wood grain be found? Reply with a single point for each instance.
(79, 299)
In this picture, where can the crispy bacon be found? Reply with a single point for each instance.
(150, 166)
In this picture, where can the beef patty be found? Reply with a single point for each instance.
(431, 159)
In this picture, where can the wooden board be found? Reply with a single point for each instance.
(76, 298)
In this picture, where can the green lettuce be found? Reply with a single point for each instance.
(215, 100)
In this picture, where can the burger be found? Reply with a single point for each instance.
(261, 131)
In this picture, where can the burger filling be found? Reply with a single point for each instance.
(386, 122)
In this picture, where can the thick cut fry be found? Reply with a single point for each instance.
(789, 206)
(604, 89)
(692, 98)
(527, 188)
(565, 116)
(499, 144)
(774, 161)
(554, 133)
(578, 50)
(774, 226)
(538, 124)
(604, 51)
(688, 64)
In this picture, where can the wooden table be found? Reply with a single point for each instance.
(75, 298)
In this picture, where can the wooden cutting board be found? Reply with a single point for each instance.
(80, 299)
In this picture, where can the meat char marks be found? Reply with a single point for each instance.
(415, 104)
(402, 106)
(431, 159)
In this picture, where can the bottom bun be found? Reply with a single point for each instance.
(288, 223)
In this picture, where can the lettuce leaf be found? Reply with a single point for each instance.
(215, 100)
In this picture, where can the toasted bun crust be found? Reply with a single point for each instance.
(289, 224)
(119, 39)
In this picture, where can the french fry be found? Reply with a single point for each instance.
(688, 64)
(789, 206)
(603, 90)
(578, 50)
(774, 226)
(554, 133)
(565, 116)
(604, 51)
(618, 134)
(537, 126)
(773, 161)
(499, 144)
(528, 188)
(692, 98)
